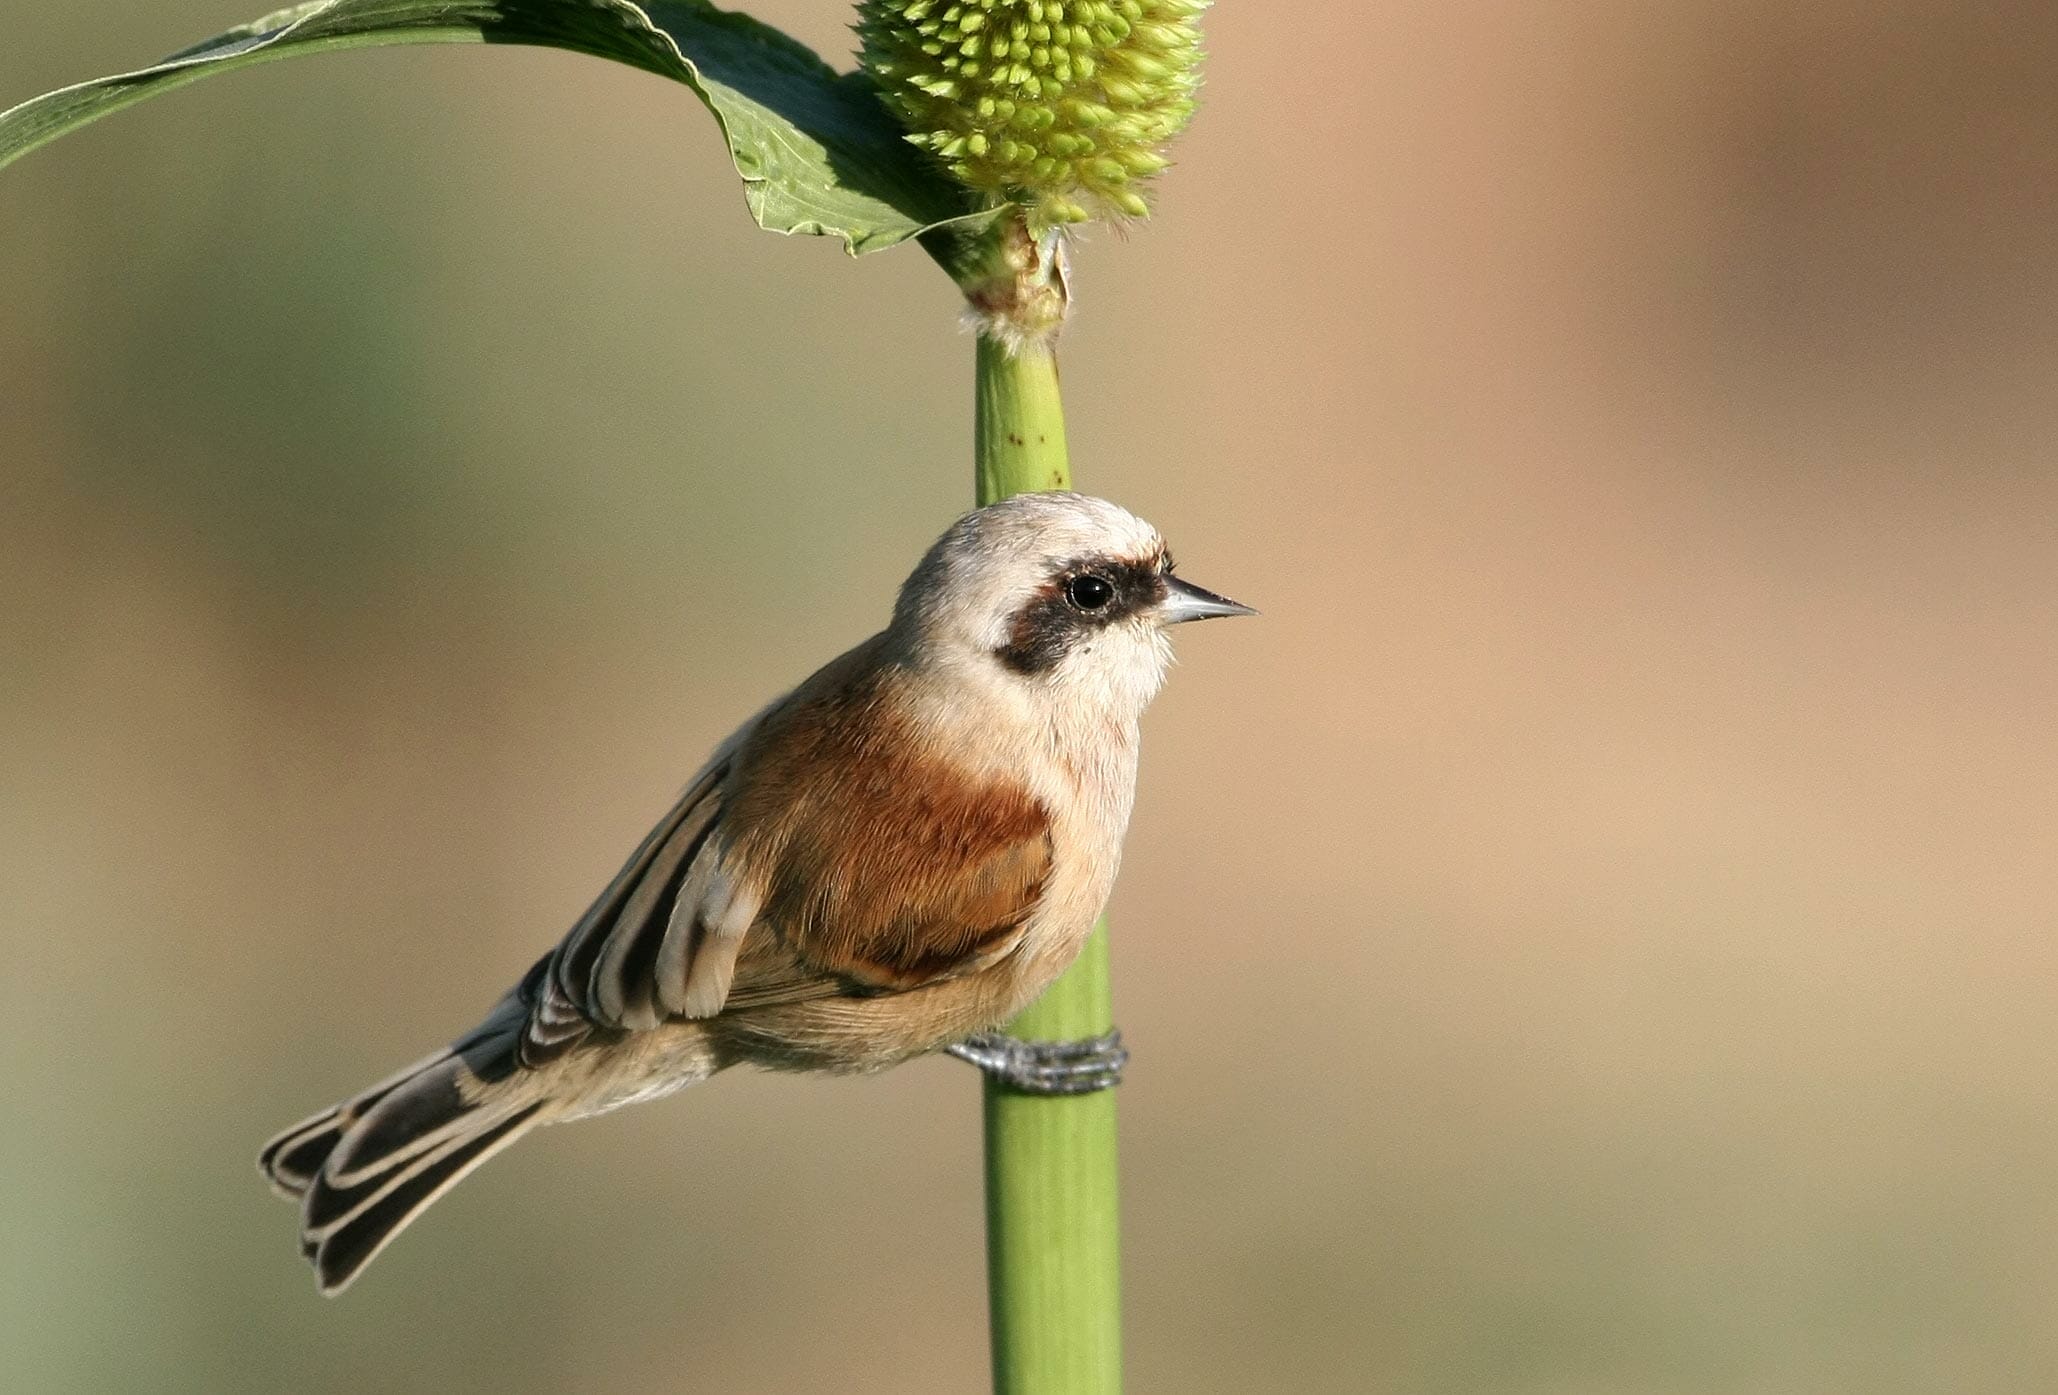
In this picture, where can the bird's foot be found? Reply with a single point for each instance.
(1047, 1067)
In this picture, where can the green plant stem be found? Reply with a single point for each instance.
(1019, 421)
(1053, 1260)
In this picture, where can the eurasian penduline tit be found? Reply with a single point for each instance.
(895, 857)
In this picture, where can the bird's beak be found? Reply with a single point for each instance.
(1185, 601)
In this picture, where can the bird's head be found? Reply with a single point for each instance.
(1059, 590)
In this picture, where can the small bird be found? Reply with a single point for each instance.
(893, 858)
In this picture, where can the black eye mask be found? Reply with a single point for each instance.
(1063, 611)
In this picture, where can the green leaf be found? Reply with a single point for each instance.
(817, 151)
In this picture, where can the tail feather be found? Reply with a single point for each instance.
(365, 1169)
(418, 1117)
(341, 1248)
(291, 1161)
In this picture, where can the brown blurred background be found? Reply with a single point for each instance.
(1594, 934)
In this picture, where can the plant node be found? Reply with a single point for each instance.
(1016, 291)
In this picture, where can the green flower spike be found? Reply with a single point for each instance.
(1063, 105)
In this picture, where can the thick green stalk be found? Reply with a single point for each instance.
(1053, 1260)
(1019, 422)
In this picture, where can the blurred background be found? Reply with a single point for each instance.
(1594, 934)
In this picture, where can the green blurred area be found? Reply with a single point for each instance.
(1595, 934)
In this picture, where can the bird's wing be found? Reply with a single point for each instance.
(825, 850)
(878, 863)
(602, 973)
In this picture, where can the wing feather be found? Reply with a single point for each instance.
(572, 964)
(621, 989)
(599, 974)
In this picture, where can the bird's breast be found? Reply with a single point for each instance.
(1091, 795)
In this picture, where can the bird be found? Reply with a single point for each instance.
(892, 859)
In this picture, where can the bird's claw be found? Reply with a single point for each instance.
(1047, 1067)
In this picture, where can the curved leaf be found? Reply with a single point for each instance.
(817, 152)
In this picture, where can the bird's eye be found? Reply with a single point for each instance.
(1089, 592)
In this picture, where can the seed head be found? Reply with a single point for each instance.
(1065, 105)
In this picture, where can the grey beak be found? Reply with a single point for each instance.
(1185, 601)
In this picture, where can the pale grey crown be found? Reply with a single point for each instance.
(992, 562)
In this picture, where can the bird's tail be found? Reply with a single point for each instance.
(365, 1168)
